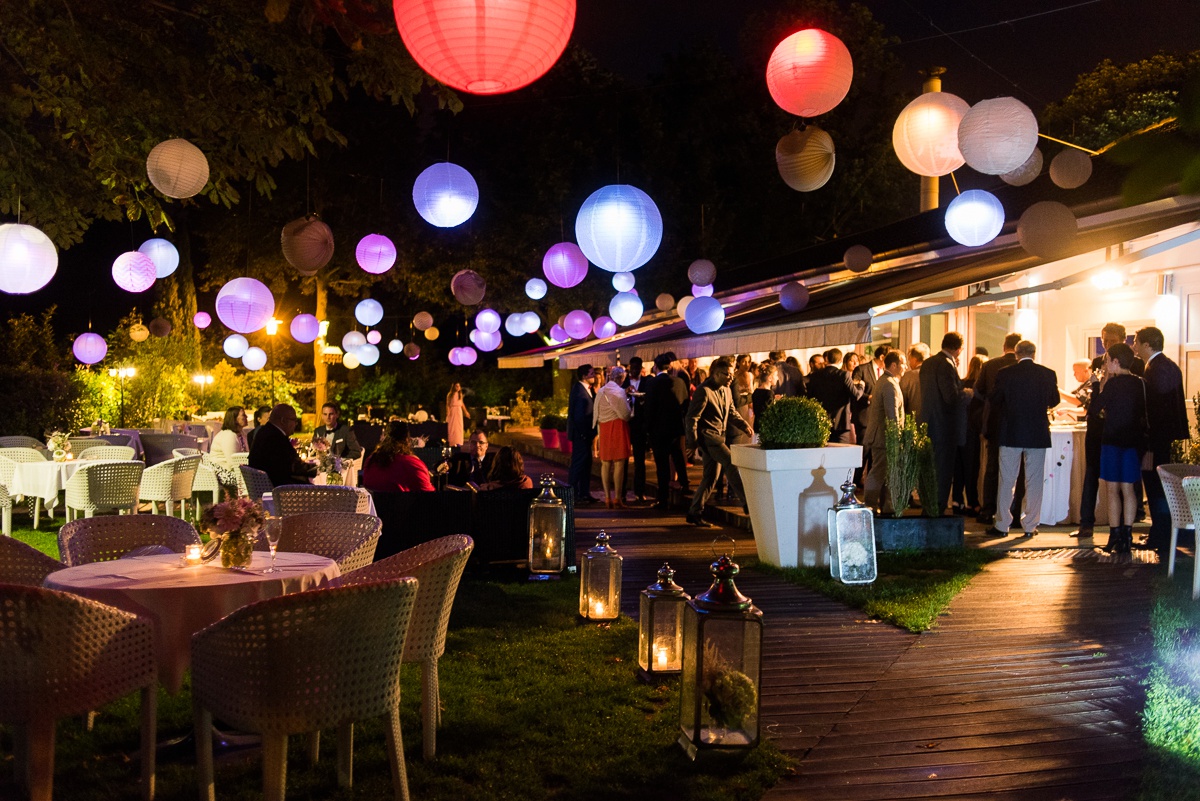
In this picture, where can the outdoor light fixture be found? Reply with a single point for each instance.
(722, 666)
(660, 626)
(122, 373)
(547, 533)
(600, 582)
(202, 380)
(851, 539)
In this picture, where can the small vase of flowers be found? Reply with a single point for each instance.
(59, 444)
(327, 463)
(236, 522)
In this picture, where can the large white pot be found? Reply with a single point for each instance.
(789, 492)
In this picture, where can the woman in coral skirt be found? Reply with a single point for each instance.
(610, 412)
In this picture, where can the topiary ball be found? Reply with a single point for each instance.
(794, 423)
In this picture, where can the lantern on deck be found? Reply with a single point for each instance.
(600, 582)
(547, 532)
(851, 539)
(722, 666)
(660, 626)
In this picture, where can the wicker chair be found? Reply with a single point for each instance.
(8, 459)
(24, 564)
(257, 482)
(438, 566)
(105, 486)
(100, 539)
(81, 444)
(1191, 490)
(345, 537)
(294, 499)
(179, 452)
(121, 453)
(23, 442)
(118, 439)
(168, 482)
(62, 655)
(300, 663)
(158, 446)
(1172, 476)
(6, 505)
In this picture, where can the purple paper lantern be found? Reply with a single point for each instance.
(89, 348)
(202, 319)
(468, 287)
(375, 253)
(488, 320)
(604, 327)
(305, 328)
(453, 356)
(245, 305)
(578, 324)
(565, 265)
(467, 356)
(134, 271)
(558, 334)
(702, 290)
(487, 341)
(374, 337)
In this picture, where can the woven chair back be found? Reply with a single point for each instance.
(118, 439)
(294, 499)
(178, 452)
(108, 485)
(100, 539)
(122, 453)
(1172, 476)
(257, 482)
(23, 564)
(158, 446)
(81, 444)
(345, 537)
(22, 442)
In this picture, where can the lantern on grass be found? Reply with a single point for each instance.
(974, 218)
(565, 265)
(535, 289)
(445, 195)
(134, 272)
(307, 244)
(374, 337)
(619, 228)
(547, 532)
(851, 539)
(140, 333)
(305, 328)
(164, 255)
(660, 626)
(998, 135)
(375, 254)
(600, 582)
(722, 668)
(805, 159)
(245, 305)
(254, 359)
(89, 348)
(809, 72)
(235, 346)
(203, 319)
(28, 259)
(177, 168)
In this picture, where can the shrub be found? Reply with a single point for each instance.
(550, 421)
(794, 423)
(560, 423)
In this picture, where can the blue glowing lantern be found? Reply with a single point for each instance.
(704, 315)
(163, 254)
(619, 228)
(622, 282)
(625, 308)
(514, 324)
(445, 195)
(353, 340)
(535, 289)
(488, 320)
(367, 354)
(565, 265)
(530, 322)
(368, 312)
(974, 218)
(89, 348)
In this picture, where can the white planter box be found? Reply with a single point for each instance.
(789, 492)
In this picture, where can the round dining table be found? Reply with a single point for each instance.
(182, 599)
(47, 479)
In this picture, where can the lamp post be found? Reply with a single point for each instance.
(122, 373)
(203, 379)
(272, 328)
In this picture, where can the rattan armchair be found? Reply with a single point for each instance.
(170, 482)
(24, 564)
(121, 453)
(105, 486)
(1191, 490)
(178, 452)
(257, 482)
(81, 444)
(345, 537)
(23, 442)
(99, 539)
(9, 457)
(438, 565)
(62, 655)
(1172, 476)
(300, 663)
(294, 499)
(6, 505)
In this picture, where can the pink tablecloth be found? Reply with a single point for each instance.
(182, 600)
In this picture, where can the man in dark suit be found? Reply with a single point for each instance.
(473, 465)
(709, 416)
(1167, 413)
(791, 380)
(273, 452)
(944, 410)
(834, 389)
(868, 373)
(341, 439)
(984, 386)
(634, 384)
(1023, 395)
(666, 400)
(581, 431)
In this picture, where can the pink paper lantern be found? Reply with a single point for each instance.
(702, 291)
(134, 271)
(809, 73)
(375, 253)
(305, 328)
(565, 265)
(245, 305)
(467, 356)
(374, 337)
(202, 319)
(453, 356)
(578, 324)
(558, 334)
(604, 327)
(89, 348)
(488, 320)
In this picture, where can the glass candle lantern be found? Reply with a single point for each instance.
(547, 531)
(722, 667)
(660, 626)
(851, 539)
(600, 582)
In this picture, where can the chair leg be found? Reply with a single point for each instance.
(6, 521)
(37, 511)
(431, 708)
(395, 749)
(1171, 554)
(204, 752)
(149, 739)
(39, 759)
(345, 755)
(274, 750)
(1196, 573)
(314, 748)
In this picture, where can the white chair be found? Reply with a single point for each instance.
(178, 452)
(100, 539)
(1191, 489)
(257, 482)
(294, 499)
(121, 453)
(6, 505)
(1172, 476)
(22, 442)
(105, 486)
(170, 482)
(81, 444)
(345, 537)
(9, 458)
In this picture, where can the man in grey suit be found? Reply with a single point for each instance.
(944, 410)
(709, 415)
(910, 382)
(887, 403)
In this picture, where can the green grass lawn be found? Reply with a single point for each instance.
(912, 588)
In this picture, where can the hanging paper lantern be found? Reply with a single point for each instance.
(139, 332)
(794, 296)
(305, 328)
(177, 168)
(664, 302)
(1047, 230)
(431, 333)
(530, 322)
(997, 136)
(368, 312)
(485, 47)
(535, 289)
(604, 327)
(578, 324)
(445, 195)
(488, 320)
(809, 72)
(453, 356)
(704, 315)
(422, 320)
(28, 259)
(559, 335)
(1028, 171)
(619, 228)
(353, 340)
(133, 271)
(412, 350)
(623, 282)
(368, 354)
(374, 337)
(857, 258)
(164, 255)
(681, 307)
(625, 308)
(245, 305)
(702, 271)
(473, 335)
(375, 253)
(488, 342)
(565, 265)
(1070, 169)
(89, 348)
(235, 346)
(468, 287)
(974, 218)
(467, 356)
(925, 136)
(307, 244)
(395, 346)
(350, 361)
(704, 291)
(805, 159)
(514, 324)
(160, 327)
(202, 319)
(254, 359)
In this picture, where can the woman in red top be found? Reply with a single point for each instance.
(392, 466)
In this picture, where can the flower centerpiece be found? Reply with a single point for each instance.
(236, 523)
(59, 445)
(327, 463)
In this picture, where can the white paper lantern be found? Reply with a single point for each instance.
(467, 356)
(704, 291)
(368, 311)
(445, 195)
(857, 258)
(1027, 172)
(202, 319)
(177, 168)
(134, 272)
(488, 341)
(530, 322)
(1047, 230)
(805, 159)
(422, 321)
(514, 324)
(623, 282)
(350, 361)
(245, 305)
(702, 271)
(809, 72)
(374, 337)
(254, 359)
(139, 333)
(28, 259)
(352, 340)
(235, 346)
(89, 348)
(367, 354)
(468, 287)
(395, 346)
(681, 306)
(925, 136)
(974, 218)
(412, 350)
(794, 297)
(1070, 169)
(488, 320)
(578, 324)
(558, 335)
(535, 289)
(664, 302)
(375, 254)
(604, 327)
(164, 255)
(997, 136)
(704, 315)
(307, 244)
(431, 333)
(619, 228)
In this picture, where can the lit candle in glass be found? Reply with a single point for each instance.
(598, 609)
(660, 657)
(193, 554)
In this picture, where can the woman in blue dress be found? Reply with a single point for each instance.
(1122, 402)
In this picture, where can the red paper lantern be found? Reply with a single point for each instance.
(809, 73)
(485, 47)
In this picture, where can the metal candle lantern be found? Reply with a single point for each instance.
(722, 666)
(660, 626)
(600, 582)
(851, 539)
(547, 532)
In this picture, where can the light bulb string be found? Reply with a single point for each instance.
(1069, 144)
(954, 180)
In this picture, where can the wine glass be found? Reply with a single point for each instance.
(274, 527)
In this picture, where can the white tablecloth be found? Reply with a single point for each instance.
(46, 479)
(366, 502)
(1056, 482)
(184, 599)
